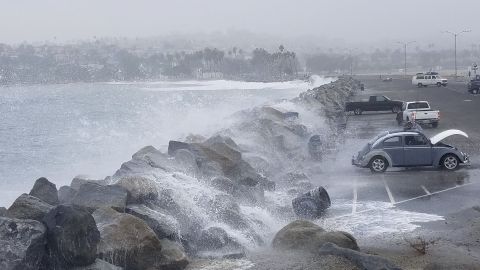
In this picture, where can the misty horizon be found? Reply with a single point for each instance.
(343, 23)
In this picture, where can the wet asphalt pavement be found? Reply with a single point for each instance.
(424, 190)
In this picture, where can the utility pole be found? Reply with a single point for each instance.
(455, 35)
(405, 44)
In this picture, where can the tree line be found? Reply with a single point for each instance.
(96, 62)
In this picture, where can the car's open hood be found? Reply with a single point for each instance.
(447, 133)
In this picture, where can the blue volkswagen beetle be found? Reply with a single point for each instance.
(410, 148)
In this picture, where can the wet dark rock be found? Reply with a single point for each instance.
(45, 191)
(173, 146)
(162, 223)
(139, 189)
(224, 184)
(315, 147)
(80, 180)
(307, 236)
(72, 237)
(215, 238)
(22, 244)
(173, 256)
(127, 240)
(66, 194)
(94, 196)
(361, 260)
(28, 207)
(3, 211)
(312, 204)
(186, 160)
(98, 265)
(147, 150)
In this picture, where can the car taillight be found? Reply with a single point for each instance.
(414, 115)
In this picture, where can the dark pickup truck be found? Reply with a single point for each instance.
(474, 85)
(374, 103)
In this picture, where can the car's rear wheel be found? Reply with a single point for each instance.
(357, 111)
(475, 91)
(450, 162)
(439, 84)
(420, 85)
(378, 164)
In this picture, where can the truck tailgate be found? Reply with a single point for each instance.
(424, 115)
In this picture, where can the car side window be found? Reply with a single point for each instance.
(420, 77)
(380, 99)
(393, 142)
(433, 77)
(428, 77)
(415, 140)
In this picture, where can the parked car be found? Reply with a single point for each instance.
(474, 85)
(429, 78)
(420, 112)
(374, 103)
(410, 148)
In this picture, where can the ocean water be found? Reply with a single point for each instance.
(60, 131)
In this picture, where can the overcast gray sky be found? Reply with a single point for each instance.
(351, 20)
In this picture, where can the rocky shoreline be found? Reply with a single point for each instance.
(212, 197)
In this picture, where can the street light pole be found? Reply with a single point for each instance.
(455, 35)
(405, 44)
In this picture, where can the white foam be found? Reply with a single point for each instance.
(211, 85)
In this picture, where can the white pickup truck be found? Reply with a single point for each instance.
(419, 112)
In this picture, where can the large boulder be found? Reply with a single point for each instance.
(94, 196)
(162, 223)
(72, 236)
(98, 265)
(3, 211)
(80, 180)
(128, 241)
(66, 194)
(307, 236)
(140, 189)
(28, 207)
(22, 244)
(173, 256)
(361, 260)
(45, 191)
(215, 241)
(312, 204)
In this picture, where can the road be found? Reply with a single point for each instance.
(422, 190)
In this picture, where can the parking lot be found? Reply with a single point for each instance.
(421, 190)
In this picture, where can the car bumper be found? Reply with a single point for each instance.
(426, 121)
(357, 162)
(466, 160)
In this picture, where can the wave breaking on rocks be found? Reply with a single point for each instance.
(205, 197)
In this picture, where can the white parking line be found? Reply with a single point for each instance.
(392, 200)
(354, 202)
(426, 190)
(436, 192)
(400, 202)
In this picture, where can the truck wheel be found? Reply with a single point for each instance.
(435, 125)
(357, 111)
(439, 84)
(449, 162)
(395, 109)
(420, 85)
(378, 164)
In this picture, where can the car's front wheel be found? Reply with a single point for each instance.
(450, 162)
(475, 91)
(357, 111)
(439, 84)
(378, 164)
